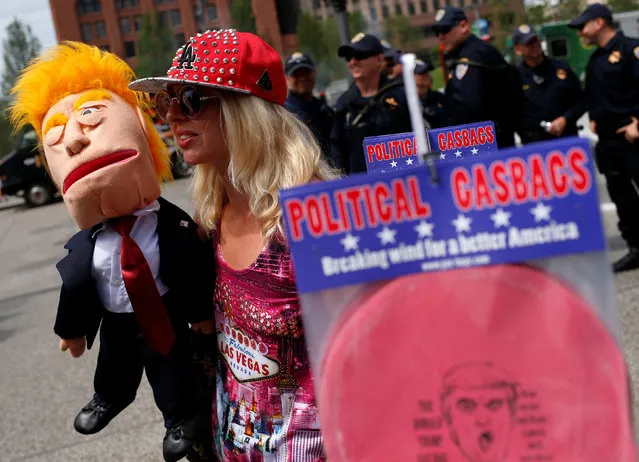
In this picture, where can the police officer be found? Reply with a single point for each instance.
(394, 66)
(481, 85)
(433, 102)
(300, 79)
(553, 98)
(372, 105)
(612, 101)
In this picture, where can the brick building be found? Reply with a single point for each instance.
(421, 12)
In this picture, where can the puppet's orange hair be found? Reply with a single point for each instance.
(74, 67)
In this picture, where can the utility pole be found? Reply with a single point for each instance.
(339, 6)
(199, 14)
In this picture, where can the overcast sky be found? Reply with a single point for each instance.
(35, 13)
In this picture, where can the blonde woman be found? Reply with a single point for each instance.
(223, 97)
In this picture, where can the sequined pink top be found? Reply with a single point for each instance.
(264, 409)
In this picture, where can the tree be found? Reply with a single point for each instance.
(18, 49)
(567, 9)
(155, 47)
(401, 33)
(536, 14)
(619, 6)
(242, 17)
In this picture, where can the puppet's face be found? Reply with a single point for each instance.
(98, 155)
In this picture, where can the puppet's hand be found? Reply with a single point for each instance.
(207, 327)
(75, 346)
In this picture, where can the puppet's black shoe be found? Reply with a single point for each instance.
(628, 262)
(178, 441)
(95, 416)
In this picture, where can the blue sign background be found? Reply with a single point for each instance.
(402, 160)
(449, 237)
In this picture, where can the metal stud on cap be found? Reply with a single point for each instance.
(219, 79)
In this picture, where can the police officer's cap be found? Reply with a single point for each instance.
(298, 61)
(365, 45)
(523, 34)
(594, 11)
(447, 18)
(423, 67)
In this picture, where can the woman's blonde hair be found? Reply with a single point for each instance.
(268, 149)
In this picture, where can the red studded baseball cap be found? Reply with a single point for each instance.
(224, 59)
(500, 363)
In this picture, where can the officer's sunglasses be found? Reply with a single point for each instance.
(360, 55)
(190, 101)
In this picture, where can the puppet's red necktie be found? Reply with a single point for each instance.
(143, 293)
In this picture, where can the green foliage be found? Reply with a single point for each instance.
(155, 47)
(401, 33)
(18, 48)
(242, 17)
(536, 14)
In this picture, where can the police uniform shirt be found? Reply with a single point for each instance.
(434, 109)
(316, 114)
(612, 84)
(551, 90)
(467, 87)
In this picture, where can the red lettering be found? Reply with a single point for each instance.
(498, 174)
(346, 226)
(370, 210)
(231, 353)
(256, 367)
(482, 188)
(314, 217)
(465, 137)
(518, 179)
(331, 223)
(461, 189)
(581, 180)
(379, 151)
(441, 142)
(402, 207)
(408, 147)
(481, 135)
(538, 178)
(384, 210)
(265, 370)
(458, 139)
(473, 138)
(490, 135)
(370, 152)
(422, 208)
(353, 196)
(559, 179)
(250, 363)
(295, 211)
(396, 148)
(450, 141)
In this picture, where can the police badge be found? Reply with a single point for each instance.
(440, 14)
(524, 29)
(460, 71)
(636, 52)
(561, 74)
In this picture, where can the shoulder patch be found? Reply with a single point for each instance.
(460, 71)
(561, 74)
(391, 102)
(636, 52)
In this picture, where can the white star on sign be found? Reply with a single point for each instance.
(501, 218)
(474, 151)
(387, 236)
(462, 223)
(409, 161)
(393, 164)
(349, 242)
(442, 156)
(541, 212)
(424, 229)
(458, 153)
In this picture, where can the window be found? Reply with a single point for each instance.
(436, 5)
(385, 12)
(372, 12)
(120, 4)
(316, 4)
(88, 6)
(163, 17)
(558, 47)
(137, 22)
(424, 5)
(411, 8)
(211, 12)
(429, 32)
(125, 25)
(87, 32)
(507, 19)
(163, 2)
(398, 8)
(105, 48)
(129, 49)
(100, 29)
(176, 19)
(179, 40)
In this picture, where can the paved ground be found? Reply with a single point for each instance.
(42, 389)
